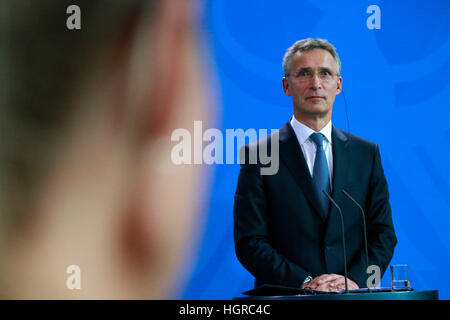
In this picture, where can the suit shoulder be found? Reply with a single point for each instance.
(266, 140)
(265, 147)
(358, 142)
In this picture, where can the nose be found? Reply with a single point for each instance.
(315, 81)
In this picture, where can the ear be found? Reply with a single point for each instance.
(160, 49)
(170, 38)
(155, 62)
(286, 86)
(339, 86)
(148, 55)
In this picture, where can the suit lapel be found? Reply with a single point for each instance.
(341, 160)
(292, 156)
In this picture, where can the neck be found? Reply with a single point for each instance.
(314, 121)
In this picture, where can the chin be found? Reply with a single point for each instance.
(316, 110)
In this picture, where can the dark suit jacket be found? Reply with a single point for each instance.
(280, 234)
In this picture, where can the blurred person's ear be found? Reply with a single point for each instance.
(112, 201)
(157, 224)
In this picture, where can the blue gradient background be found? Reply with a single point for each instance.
(396, 82)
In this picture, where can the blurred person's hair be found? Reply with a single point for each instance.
(43, 66)
(86, 117)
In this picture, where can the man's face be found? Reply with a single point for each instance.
(313, 96)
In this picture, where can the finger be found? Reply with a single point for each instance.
(326, 288)
(340, 282)
(329, 278)
(321, 278)
(341, 286)
(312, 284)
(315, 282)
(337, 282)
(322, 287)
(352, 284)
(309, 285)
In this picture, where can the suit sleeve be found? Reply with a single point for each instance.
(381, 239)
(251, 235)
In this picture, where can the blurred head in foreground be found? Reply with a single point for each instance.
(86, 117)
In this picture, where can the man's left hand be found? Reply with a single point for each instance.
(331, 282)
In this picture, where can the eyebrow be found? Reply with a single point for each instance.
(310, 69)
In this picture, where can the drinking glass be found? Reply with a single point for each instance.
(400, 276)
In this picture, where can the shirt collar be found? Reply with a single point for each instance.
(303, 132)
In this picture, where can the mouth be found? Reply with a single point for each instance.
(315, 97)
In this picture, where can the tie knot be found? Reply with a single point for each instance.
(317, 138)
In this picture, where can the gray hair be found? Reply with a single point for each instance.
(307, 45)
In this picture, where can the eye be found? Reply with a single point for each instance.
(303, 73)
(325, 73)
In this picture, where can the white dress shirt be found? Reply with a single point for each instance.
(309, 147)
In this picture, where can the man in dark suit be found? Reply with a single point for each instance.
(286, 231)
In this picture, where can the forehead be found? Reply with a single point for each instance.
(316, 58)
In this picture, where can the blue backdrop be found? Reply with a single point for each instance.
(396, 82)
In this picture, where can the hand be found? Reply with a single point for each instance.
(338, 283)
(330, 283)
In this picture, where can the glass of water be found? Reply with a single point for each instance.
(400, 276)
